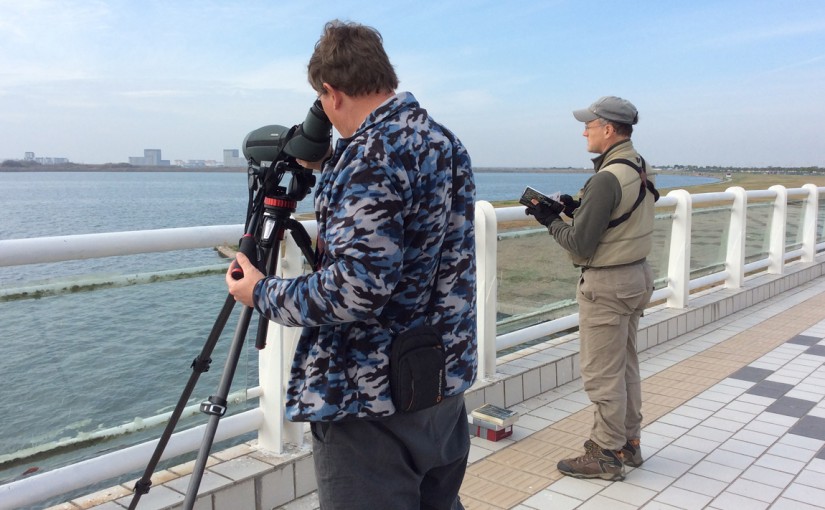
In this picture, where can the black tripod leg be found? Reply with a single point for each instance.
(199, 365)
(299, 234)
(302, 240)
(216, 406)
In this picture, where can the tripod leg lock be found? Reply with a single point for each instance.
(201, 365)
(142, 486)
(215, 406)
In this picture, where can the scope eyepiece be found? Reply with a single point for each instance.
(308, 141)
(311, 139)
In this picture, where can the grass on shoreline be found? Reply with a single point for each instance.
(755, 181)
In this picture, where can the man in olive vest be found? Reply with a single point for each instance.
(609, 239)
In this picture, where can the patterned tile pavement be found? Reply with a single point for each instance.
(734, 419)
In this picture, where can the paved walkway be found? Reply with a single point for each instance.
(734, 419)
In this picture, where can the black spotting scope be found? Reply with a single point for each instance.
(308, 141)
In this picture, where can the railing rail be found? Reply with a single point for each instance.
(37, 250)
(268, 419)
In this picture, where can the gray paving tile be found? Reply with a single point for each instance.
(804, 340)
(806, 443)
(820, 454)
(768, 477)
(811, 495)
(754, 490)
(700, 484)
(771, 389)
(731, 501)
(752, 374)
(790, 406)
(810, 426)
(777, 463)
(816, 350)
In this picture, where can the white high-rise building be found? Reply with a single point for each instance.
(232, 159)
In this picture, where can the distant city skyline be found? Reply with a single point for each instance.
(717, 82)
(232, 159)
(151, 157)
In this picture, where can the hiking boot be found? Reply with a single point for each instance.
(631, 453)
(595, 463)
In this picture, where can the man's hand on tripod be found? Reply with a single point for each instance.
(243, 290)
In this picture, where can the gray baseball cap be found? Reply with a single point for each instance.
(610, 108)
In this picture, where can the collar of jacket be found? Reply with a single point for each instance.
(393, 105)
(598, 161)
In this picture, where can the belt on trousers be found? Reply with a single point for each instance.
(585, 268)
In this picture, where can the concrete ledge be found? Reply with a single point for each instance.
(238, 477)
(245, 477)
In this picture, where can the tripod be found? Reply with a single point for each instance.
(268, 219)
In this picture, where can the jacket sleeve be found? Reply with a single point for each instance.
(601, 196)
(363, 256)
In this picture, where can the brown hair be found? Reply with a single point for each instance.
(351, 57)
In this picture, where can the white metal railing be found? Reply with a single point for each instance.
(273, 431)
(37, 250)
(679, 285)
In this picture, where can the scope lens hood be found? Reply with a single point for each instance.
(265, 143)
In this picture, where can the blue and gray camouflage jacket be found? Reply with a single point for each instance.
(389, 213)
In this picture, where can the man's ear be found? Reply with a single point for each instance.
(335, 95)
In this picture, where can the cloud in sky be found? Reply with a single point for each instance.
(730, 83)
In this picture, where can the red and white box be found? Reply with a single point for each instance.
(492, 434)
(492, 423)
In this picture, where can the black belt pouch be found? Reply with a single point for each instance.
(417, 369)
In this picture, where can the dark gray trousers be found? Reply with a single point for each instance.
(409, 461)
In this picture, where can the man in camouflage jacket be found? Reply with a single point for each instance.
(395, 206)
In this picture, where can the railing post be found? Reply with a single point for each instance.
(820, 232)
(776, 250)
(678, 268)
(275, 361)
(809, 223)
(486, 232)
(735, 259)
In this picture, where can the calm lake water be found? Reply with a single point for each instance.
(78, 363)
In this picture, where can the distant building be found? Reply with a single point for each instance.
(231, 158)
(151, 157)
(29, 156)
(52, 161)
(197, 163)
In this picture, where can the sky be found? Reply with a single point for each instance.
(732, 83)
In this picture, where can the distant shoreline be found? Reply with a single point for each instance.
(155, 169)
(129, 168)
(746, 177)
(122, 169)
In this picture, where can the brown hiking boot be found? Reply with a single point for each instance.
(631, 453)
(595, 463)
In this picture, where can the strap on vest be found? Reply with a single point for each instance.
(643, 187)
